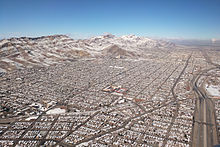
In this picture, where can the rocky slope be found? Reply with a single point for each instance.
(18, 53)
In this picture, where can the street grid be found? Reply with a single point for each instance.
(158, 108)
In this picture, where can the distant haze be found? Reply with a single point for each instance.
(194, 42)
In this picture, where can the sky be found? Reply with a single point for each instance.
(188, 19)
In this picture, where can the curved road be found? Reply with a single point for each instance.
(205, 128)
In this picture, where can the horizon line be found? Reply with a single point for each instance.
(78, 36)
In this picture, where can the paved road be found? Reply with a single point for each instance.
(205, 128)
(136, 116)
(177, 102)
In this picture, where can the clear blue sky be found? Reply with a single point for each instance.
(81, 18)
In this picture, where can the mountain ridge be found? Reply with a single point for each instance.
(22, 52)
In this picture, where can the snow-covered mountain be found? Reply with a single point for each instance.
(128, 42)
(16, 53)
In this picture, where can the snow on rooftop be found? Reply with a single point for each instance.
(56, 111)
(213, 90)
(31, 117)
(119, 67)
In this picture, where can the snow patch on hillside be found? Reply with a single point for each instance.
(49, 50)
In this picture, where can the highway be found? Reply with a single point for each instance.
(205, 128)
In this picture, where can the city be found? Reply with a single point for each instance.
(112, 102)
(109, 73)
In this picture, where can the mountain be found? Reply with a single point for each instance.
(116, 51)
(127, 41)
(18, 53)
